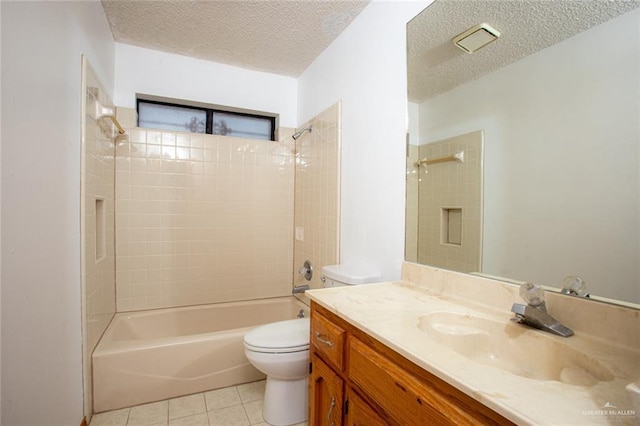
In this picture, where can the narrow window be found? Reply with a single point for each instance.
(171, 117)
(197, 119)
(241, 126)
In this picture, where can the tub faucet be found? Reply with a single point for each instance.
(306, 270)
(534, 313)
(299, 289)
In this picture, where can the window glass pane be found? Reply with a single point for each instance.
(169, 117)
(241, 126)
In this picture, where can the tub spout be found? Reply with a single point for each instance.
(300, 289)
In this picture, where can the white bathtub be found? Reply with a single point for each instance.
(153, 355)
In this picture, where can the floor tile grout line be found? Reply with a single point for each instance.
(242, 402)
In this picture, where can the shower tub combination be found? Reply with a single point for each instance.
(153, 355)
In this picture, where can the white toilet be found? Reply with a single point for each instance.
(281, 351)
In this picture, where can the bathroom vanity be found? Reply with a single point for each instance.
(438, 347)
(357, 380)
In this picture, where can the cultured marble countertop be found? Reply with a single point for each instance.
(390, 312)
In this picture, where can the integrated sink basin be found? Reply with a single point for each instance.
(513, 348)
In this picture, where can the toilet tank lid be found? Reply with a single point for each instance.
(352, 274)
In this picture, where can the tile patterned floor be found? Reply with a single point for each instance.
(239, 405)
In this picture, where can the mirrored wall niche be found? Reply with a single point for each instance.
(97, 222)
(561, 136)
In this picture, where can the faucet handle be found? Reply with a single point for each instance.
(574, 286)
(532, 294)
(306, 270)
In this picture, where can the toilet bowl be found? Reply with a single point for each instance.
(281, 351)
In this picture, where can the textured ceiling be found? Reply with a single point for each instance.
(435, 65)
(277, 36)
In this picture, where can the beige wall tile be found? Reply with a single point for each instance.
(411, 220)
(202, 219)
(97, 227)
(317, 194)
(449, 185)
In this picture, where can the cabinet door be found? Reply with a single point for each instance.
(325, 395)
(360, 413)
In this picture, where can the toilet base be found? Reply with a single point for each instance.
(285, 401)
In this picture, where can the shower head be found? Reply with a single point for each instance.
(299, 133)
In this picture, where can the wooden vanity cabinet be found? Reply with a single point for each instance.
(357, 381)
(326, 395)
(328, 400)
(361, 413)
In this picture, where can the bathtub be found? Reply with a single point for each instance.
(153, 355)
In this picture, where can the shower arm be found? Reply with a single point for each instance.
(108, 112)
(299, 133)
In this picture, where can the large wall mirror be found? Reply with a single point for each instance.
(550, 186)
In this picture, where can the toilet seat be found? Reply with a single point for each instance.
(276, 350)
(279, 337)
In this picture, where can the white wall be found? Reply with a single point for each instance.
(365, 67)
(42, 43)
(590, 139)
(152, 72)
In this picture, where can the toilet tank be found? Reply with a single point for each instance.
(342, 275)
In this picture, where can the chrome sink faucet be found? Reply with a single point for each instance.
(534, 313)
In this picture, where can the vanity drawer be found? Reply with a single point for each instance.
(328, 339)
(406, 398)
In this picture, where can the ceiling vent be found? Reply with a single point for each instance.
(476, 38)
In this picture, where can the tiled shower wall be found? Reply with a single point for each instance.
(411, 212)
(202, 219)
(97, 245)
(317, 195)
(451, 185)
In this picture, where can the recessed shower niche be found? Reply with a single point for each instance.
(451, 226)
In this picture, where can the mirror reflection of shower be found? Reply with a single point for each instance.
(444, 207)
